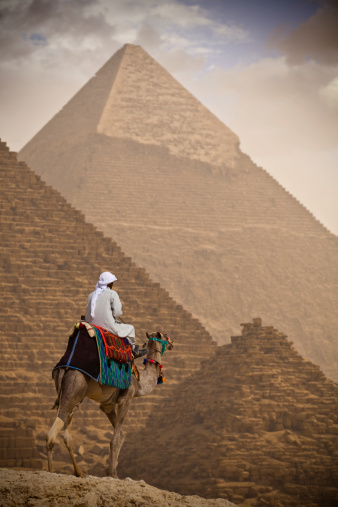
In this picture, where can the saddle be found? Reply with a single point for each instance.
(86, 352)
(116, 348)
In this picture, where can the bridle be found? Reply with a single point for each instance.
(164, 342)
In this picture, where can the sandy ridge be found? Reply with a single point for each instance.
(42, 489)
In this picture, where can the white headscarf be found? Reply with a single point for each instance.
(104, 280)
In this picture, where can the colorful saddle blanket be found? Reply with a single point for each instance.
(86, 352)
(115, 347)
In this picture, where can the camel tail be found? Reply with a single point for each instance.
(58, 376)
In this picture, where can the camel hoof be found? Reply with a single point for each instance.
(109, 473)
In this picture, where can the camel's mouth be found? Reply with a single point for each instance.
(170, 344)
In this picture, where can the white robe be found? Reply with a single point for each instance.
(109, 308)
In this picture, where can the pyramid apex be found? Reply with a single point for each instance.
(130, 45)
(147, 105)
(134, 49)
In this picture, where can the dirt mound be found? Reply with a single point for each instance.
(39, 489)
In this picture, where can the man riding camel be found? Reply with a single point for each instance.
(104, 308)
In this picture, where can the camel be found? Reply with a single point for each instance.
(73, 386)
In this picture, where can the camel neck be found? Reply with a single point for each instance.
(148, 379)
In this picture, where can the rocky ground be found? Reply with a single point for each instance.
(42, 489)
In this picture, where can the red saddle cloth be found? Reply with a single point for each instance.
(116, 348)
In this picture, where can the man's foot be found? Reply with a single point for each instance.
(139, 353)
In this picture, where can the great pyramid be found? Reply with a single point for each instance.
(257, 424)
(50, 261)
(148, 165)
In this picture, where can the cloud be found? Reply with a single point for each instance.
(278, 107)
(330, 93)
(148, 36)
(176, 27)
(181, 15)
(51, 31)
(32, 28)
(175, 58)
(316, 38)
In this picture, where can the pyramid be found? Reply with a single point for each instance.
(51, 260)
(258, 425)
(152, 168)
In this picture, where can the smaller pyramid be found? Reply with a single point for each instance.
(257, 425)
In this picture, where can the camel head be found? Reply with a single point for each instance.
(160, 342)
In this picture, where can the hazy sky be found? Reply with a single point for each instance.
(268, 69)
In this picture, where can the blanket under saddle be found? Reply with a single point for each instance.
(115, 347)
(86, 352)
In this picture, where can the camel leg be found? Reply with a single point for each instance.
(117, 417)
(51, 439)
(68, 440)
(74, 386)
(115, 448)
